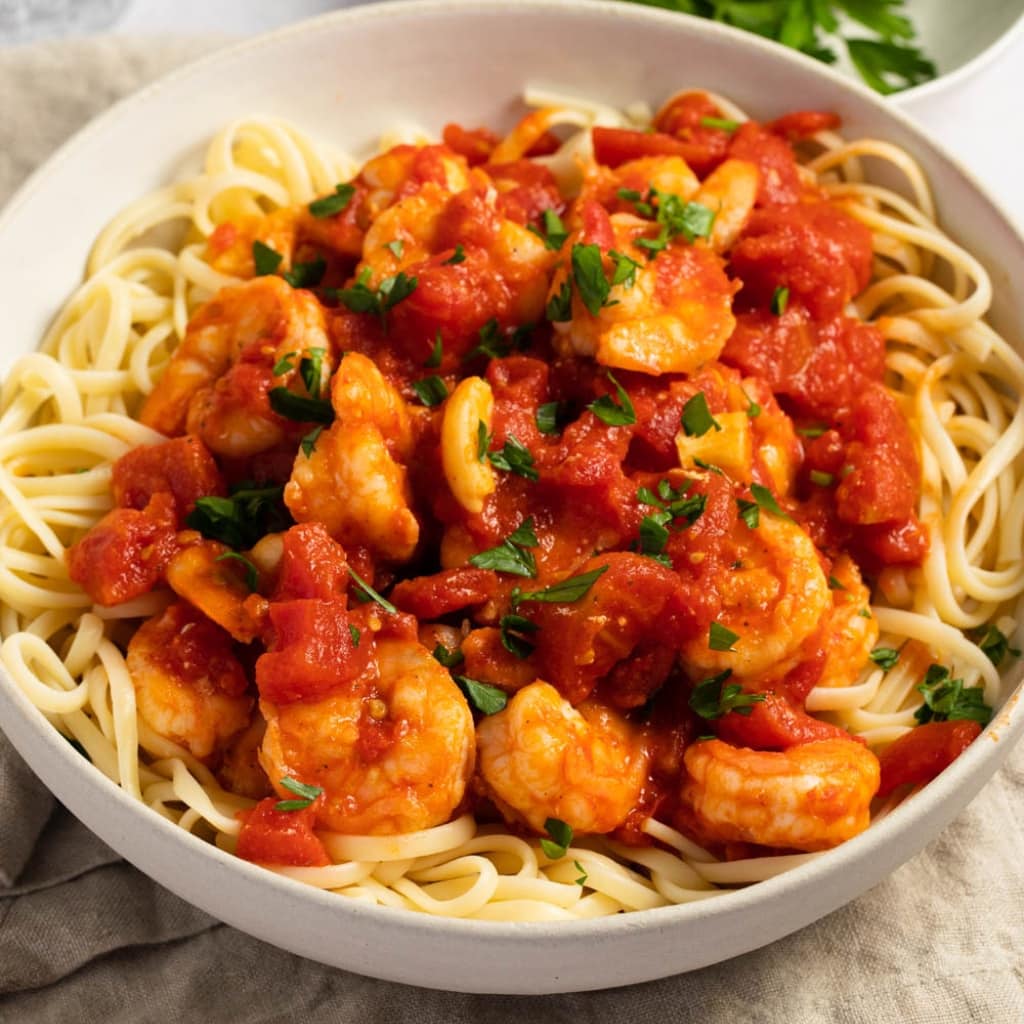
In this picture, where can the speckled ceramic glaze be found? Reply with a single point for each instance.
(346, 76)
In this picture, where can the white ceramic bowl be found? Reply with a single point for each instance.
(346, 76)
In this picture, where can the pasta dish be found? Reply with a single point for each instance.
(587, 519)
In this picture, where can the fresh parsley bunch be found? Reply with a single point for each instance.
(887, 60)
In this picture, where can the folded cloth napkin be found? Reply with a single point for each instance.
(84, 937)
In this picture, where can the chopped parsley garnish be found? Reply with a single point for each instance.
(559, 838)
(514, 457)
(676, 217)
(753, 409)
(749, 512)
(265, 260)
(615, 414)
(708, 466)
(512, 555)
(654, 536)
(449, 658)
(722, 123)
(834, 584)
(697, 419)
(812, 432)
(565, 592)
(308, 443)
(456, 257)
(491, 344)
(284, 364)
(674, 503)
(511, 628)
(369, 594)
(547, 417)
(431, 390)
(483, 439)
(361, 298)
(631, 195)
(582, 880)
(330, 205)
(947, 700)
(710, 699)
(885, 657)
(780, 300)
(311, 370)
(396, 247)
(996, 645)
(306, 275)
(241, 519)
(559, 307)
(353, 632)
(307, 793)
(252, 574)
(865, 613)
(487, 699)
(433, 361)
(821, 479)
(300, 408)
(625, 269)
(720, 638)
(588, 273)
(766, 500)
(555, 232)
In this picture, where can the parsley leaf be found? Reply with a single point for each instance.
(749, 512)
(284, 364)
(456, 257)
(396, 247)
(431, 390)
(821, 479)
(811, 432)
(697, 418)
(265, 260)
(625, 269)
(565, 592)
(560, 838)
(512, 554)
(329, 206)
(582, 880)
(555, 232)
(252, 575)
(483, 439)
(241, 519)
(654, 537)
(885, 657)
(311, 370)
(300, 408)
(780, 300)
(996, 645)
(361, 298)
(448, 658)
(308, 443)
(615, 414)
(511, 628)
(300, 789)
(559, 307)
(369, 594)
(514, 457)
(353, 631)
(588, 273)
(433, 361)
(487, 699)
(306, 275)
(722, 123)
(766, 500)
(720, 638)
(710, 699)
(947, 699)
(834, 584)
(547, 417)
(888, 67)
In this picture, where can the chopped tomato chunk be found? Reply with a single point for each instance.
(802, 124)
(779, 179)
(924, 752)
(269, 836)
(475, 144)
(775, 724)
(313, 565)
(615, 146)
(430, 597)
(183, 467)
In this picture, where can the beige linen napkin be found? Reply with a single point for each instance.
(86, 938)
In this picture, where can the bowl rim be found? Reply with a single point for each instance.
(1007, 725)
(968, 69)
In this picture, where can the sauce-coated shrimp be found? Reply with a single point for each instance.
(542, 758)
(217, 381)
(391, 757)
(810, 797)
(848, 635)
(352, 480)
(189, 687)
(670, 315)
(774, 596)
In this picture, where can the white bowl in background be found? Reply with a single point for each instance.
(346, 76)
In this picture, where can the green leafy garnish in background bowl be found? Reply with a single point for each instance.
(887, 60)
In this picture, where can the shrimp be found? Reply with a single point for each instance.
(774, 596)
(217, 381)
(810, 797)
(668, 315)
(189, 687)
(352, 480)
(848, 636)
(542, 758)
(730, 190)
(392, 757)
(230, 248)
